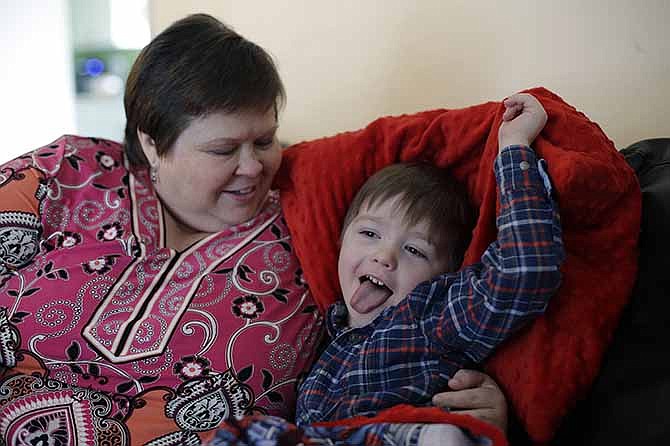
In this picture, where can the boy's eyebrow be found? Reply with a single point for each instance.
(372, 218)
(421, 236)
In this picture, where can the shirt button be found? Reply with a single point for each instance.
(524, 165)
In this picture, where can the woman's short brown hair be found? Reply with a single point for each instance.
(196, 66)
(425, 193)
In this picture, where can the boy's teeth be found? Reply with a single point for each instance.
(375, 281)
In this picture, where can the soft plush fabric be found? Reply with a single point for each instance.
(549, 365)
(408, 414)
(396, 427)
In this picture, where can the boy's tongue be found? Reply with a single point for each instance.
(368, 297)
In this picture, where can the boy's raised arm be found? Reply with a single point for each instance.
(477, 309)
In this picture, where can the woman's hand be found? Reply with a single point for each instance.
(523, 120)
(475, 393)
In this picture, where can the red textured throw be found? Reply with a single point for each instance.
(548, 366)
(405, 413)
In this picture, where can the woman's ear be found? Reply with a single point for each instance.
(148, 147)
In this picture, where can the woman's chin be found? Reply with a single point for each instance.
(234, 210)
(228, 217)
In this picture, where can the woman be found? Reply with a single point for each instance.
(149, 291)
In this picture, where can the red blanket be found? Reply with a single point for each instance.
(548, 366)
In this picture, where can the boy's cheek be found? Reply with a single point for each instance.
(342, 276)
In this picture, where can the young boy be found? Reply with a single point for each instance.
(391, 345)
(398, 337)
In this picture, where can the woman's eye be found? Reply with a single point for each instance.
(367, 233)
(265, 143)
(415, 252)
(224, 152)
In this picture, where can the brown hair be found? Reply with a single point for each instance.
(425, 193)
(196, 66)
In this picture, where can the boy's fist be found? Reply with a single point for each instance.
(523, 120)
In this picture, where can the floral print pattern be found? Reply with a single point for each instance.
(99, 266)
(110, 232)
(68, 239)
(248, 307)
(192, 367)
(106, 161)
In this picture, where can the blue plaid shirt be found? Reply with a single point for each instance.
(409, 352)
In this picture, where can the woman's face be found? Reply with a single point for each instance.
(220, 169)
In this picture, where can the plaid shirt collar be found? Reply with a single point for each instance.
(337, 319)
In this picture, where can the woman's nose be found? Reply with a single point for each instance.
(249, 164)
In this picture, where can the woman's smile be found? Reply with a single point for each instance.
(241, 195)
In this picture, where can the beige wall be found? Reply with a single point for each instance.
(346, 62)
(36, 82)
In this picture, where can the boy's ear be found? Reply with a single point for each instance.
(148, 147)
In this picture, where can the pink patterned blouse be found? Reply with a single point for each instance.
(109, 337)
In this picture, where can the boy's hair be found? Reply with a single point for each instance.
(425, 193)
(196, 66)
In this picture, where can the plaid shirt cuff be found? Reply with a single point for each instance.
(517, 167)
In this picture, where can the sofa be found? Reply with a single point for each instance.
(627, 404)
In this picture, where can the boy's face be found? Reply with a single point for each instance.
(382, 260)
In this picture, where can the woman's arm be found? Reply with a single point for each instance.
(23, 187)
(21, 191)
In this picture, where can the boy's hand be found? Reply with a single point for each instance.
(523, 120)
